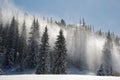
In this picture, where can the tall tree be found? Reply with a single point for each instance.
(42, 67)
(22, 47)
(37, 40)
(5, 43)
(16, 41)
(1, 47)
(106, 66)
(1, 72)
(4, 35)
(12, 43)
(1, 39)
(33, 44)
(60, 54)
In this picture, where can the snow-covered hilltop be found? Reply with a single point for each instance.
(88, 51)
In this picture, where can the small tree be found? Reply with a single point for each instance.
(1, 72)
(60, 53)
(42, 67)
(101, 72)
(63, 22)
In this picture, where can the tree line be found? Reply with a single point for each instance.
(16, 51)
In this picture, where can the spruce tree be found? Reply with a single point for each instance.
(1, 48)
(33, 45)
(4, 35)
(37, 40)
(16, 42)
(1, 39)
(11, 43)
(5, 43)
(63, 22)
(42, 67)
(22, 47)
(60, 53)
(1, 72)
(101, 72)
(107, 62)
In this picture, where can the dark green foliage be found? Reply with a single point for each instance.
(1, 72)
(1, 47)
(60, 53)
(12, 38)
(31, 55)
(33, 45)
(106, 68)
(63, 22)
(22, 47)
(43, 54)
(101, 72)
(1, 39)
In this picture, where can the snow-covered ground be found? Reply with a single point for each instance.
(81, 75)
(70, 70)
(56, 77)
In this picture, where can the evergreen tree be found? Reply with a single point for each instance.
(117, 39)
(5, 43)
(100, 32)
(33, 45)
(1, 72)
(37, 40)
(1, 47)
(12, 36)
(101, 72)
(42, 67)
(22, 47)
(63, 22)
(1, 39)
(106, 64)
(60, 54)
(4, 35)
(16, 42)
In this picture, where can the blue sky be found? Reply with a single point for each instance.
(104, 14)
